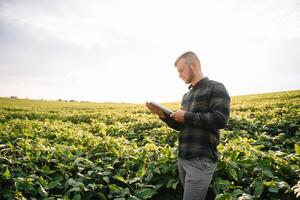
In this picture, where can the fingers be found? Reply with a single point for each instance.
(160, 114)
(150, 106)
(153, 107)
(155, 110)
(178, 116)
(174, 115)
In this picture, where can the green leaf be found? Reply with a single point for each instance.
(134, 180)
(141, 171)
(225, 196)
(6, 174)
(47, 171)
(235, 155)
(77, 197)
(297, 148)
(146, 193)
(174, 185)
(90, 172)
(237, 192)
(272, 186)
(101, 196)
(106, 179)
(93, 186)
(38, 154)
(42, 191)
(232, 173)
(18, 196)
(220, 185)
(246, 196)
(106, 173)
(53, 184)
(77, 184)
(258, 188)
(273, 189)
(283, 185)
(76, 189)
(149, 176)
(296, 189)
(268, 173)
(133, 198)
(114, 188)
(119, 178)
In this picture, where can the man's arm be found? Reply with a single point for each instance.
(172, 123)
(218, 114)
(164, 117)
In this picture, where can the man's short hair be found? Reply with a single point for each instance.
(189, 56)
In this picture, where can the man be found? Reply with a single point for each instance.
(204, 110)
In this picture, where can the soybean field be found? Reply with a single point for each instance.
(83, 150)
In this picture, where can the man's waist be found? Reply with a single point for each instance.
(198, 129)
(197, 133)
(201, 151)
(198, 140)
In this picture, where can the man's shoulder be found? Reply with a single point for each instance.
(213, 85)
(218, 88)
(213, 82)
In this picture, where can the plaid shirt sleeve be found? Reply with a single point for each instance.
(172, 123)
(218, 114)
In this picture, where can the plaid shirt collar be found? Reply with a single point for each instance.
(198, 83)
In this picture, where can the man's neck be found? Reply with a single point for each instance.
(197, 79)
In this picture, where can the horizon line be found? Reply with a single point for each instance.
(124, 102)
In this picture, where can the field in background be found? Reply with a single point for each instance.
(74, 150)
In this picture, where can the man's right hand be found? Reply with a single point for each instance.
(154, 109)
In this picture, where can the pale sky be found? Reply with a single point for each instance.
(124, 51)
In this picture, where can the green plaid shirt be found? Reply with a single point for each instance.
(207, 107)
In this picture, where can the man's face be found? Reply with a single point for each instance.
(185, 71)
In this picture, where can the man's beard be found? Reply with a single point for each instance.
(191, 75)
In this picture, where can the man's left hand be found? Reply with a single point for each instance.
(178, 116)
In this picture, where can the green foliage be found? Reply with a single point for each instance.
(73, 150)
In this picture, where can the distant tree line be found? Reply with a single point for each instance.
(71, 100)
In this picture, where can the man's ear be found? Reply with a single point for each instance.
(194, 67)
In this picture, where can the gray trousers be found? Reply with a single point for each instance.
(195, 175)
